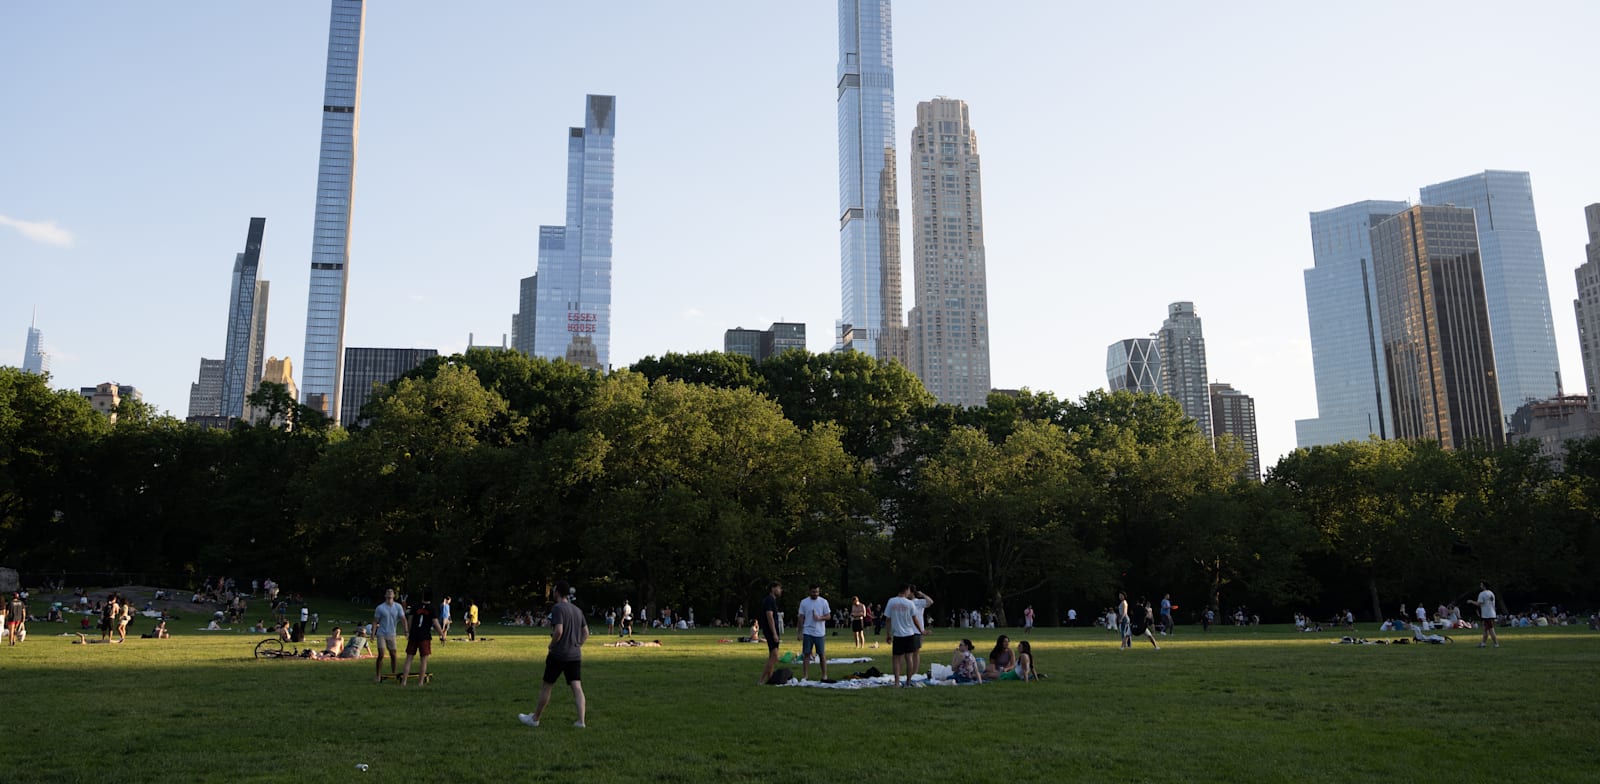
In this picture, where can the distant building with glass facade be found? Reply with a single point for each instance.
(760, 344)
(1182, 347)
(1587, 307)
(949, 326)
(1134, 365)
(364, 367)
(1233, 413)
(1346, 336)
(523, 321)
(35, 359)
(1438, 351)
(330, 243)
(1514, 283)
(869, 212)
(247, 325)
(205, 394)
(572, 312)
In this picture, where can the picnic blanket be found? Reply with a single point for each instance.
(856, 660)
(941, 676)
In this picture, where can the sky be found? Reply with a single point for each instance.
(1133, 155)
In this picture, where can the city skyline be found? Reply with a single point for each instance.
(732, 215)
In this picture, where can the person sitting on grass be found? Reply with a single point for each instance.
(964, 664)
(1001, 660)
(355, 646)
(158, 633)
(335, 645)
(1024, 668)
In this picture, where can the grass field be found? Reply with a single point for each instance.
(1257, 704)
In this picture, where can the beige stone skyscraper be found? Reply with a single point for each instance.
(950, 323)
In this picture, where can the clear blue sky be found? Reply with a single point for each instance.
(1133, 155)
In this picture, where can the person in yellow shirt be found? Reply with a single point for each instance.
(471, 620)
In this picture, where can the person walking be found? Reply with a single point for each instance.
(814, 614)
(444, 617)
(1166, 614)
(767, 620)
(1487, 613)
(568, 632)
(16, 617)
(386, 620)
(1027, 619)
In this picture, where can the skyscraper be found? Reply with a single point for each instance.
(1233, 413)
(1514, 284)
(205, 394)
(949, 326)
(1587, 307)
(523, 321)
(35, 359)
(1183, 364)
(1134, 365)
(759, 344)
(336, 179)
(572, 315)
(1439, 356)
(869, 211)
(1346, 338)
(364, 367)
(247, 325)
(744, 342)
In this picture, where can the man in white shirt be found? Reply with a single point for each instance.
(905, 632)
(921, 601)
(1486, 610)
(814, 613)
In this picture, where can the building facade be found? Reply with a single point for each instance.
(1134, 365)
(1346, 336)
(1182, 346)
(336, 178)
(1233, 413)
(744, 342)
(205, 394)
(572, 314)
(523, 321)
(1438, 352)
(1526, 364)
(35, 359)
(949, 325)
(1587, 307)
(247, 325)
(280, 372)
(759, 344)
(869, 211)
(107, 397)
(364, 367)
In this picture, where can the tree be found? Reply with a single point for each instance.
(45, 435)
(875, 404)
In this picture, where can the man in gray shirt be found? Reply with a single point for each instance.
(568, 632)
(385, 623)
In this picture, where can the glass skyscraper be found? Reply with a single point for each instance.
(247, 325)
(1134, 365)
(1346, 336)
(522, 322)
(1439, 357)
(1513, 280)
(949, 327)
(364, 367)
(1587, 307)
(573, 291)
(336, 175)
(869, 212)
(35, 359)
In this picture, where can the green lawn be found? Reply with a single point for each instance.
(1262, 704)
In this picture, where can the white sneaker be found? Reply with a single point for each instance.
(528, 719)
(580, 725)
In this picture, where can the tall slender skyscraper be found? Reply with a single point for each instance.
(205, 394)
(573, 303)
(1439, 355)
(35, 359)
(247, 325)
(336, 178)
(1183, 364)
(1513, 280)
(1233, 413)
(949, 326)
(869, 211)
(523, 321)
(1346, 338)
(1587, 307)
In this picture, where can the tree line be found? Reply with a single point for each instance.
(693, 480)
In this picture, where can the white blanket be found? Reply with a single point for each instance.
(857, 660)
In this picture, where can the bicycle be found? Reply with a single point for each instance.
(273, 648)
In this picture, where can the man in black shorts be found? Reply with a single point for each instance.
(767, 620)
(568, 632)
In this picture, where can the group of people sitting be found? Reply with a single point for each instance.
(1004, 662)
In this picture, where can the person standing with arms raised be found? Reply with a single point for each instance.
(568, 632)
